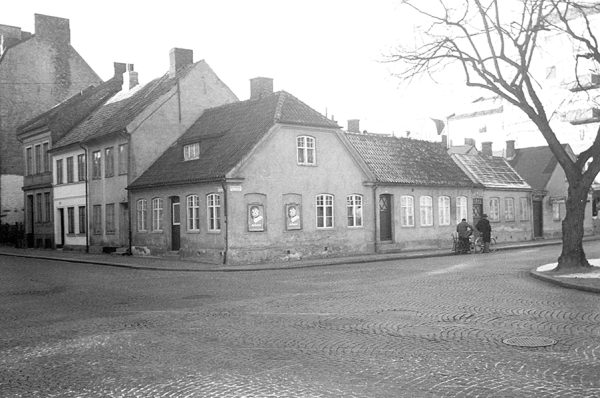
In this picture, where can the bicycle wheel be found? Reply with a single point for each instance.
(493, 245)
(477, 246)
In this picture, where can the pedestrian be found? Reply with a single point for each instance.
(465, 230)
(485, 229)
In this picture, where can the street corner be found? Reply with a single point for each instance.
(588, 280)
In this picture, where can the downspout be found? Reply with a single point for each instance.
(87, 207)
(375, 207)
(129, 204)
(225, 220)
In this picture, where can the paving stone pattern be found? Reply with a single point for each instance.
(417, 328)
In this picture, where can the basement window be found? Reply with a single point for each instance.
(191, 151)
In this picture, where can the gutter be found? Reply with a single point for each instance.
(225, 220)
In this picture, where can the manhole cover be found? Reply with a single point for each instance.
(529, 341)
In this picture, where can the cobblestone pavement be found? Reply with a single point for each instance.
(417, 328)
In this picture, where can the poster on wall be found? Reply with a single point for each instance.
(292, 217)
(256, 218)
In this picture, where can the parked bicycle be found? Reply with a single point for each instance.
(476, 244)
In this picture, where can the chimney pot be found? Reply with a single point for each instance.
(53, 29)
(354, 126)
(130, 78)
(260, 87)
(510, 149)
(486, 148)
(179, 58)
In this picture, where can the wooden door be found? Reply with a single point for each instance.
(385, 217)
(538, 219)
(175, 223)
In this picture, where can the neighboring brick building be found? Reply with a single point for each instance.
(37, 71)
(124, 136)
(540, 168)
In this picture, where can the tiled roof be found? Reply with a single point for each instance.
(491, 171)
(226, 134)
(535, 165)
(407, 161)
(67, 114)
(120, 110)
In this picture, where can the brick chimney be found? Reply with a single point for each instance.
(260, 87)
(179, 58)
(486, 148)
(119, 68)
(53, 29)
(510, 149)
(354, 126)
(130, 78)
(445, 140)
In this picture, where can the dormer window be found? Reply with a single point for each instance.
(306, 150)
(191, 151)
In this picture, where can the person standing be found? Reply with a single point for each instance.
(464, 230)
(485, 229)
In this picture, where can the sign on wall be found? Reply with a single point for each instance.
(293, 217)
(256, 218)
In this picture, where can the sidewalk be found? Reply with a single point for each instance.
(154, 263)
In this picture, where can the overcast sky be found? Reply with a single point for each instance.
(326, 53)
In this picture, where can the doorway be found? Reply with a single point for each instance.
(175, 223)
(124, 224)
(61, 227)
(385, 217)
(30, 230)
(538, 219)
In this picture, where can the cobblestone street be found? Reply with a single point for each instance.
(416, 328)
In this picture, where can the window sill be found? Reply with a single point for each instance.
(307, 164)
(218, 231)
(157, 231)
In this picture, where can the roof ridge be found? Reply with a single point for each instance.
(279, 107)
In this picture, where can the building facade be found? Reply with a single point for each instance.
(37, 71)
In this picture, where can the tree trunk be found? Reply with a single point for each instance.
(573, 256)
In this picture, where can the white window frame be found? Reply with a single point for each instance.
(556, 211)
(324, 205)
(407, 211)
(306, 144)
(354, 207)
(524, 209)
(426, 211)
(444, 210)
(461, 208)
(141, 213)
(213, 212)
(157, 214)
(191, 151)
(509, 209)
(494, 209)
(29, 168)
(192, 204)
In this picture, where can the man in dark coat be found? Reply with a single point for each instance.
(485, 229)
(464, 230)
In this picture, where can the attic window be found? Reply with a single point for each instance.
(191, 151)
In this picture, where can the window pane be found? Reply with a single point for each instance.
(71, 220)
(109, 163)
(82, 220)
(123, 158)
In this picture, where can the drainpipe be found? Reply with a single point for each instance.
(129, 204)
(375, 207)
(225, 220)
(87, 207)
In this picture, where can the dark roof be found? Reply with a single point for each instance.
(226, 134)
(67, 114)
(491, 171)
(408, 161)
(535, 165)
(121, 109)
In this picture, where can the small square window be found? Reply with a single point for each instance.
(191, 151)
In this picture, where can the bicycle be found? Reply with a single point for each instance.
(477, 245)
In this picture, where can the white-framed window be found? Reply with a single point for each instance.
(407, 211)
(141, 212)
(494, 209)
(59, 172)
(38, 159)
(509, 209)
(556, 211)
(213, 206)
(46, 156)
(110, 218)
(524, 209)
(354, 206)
(29, 161)
(426, 210)
(324, 207)
(444, 210)
(193, 213)
(123, 158)
(96, 165)
(306, 149)
(191, 151)
(97, 219)
(157, 214)
(461, 208)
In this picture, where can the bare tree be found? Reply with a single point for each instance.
(495, 48)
